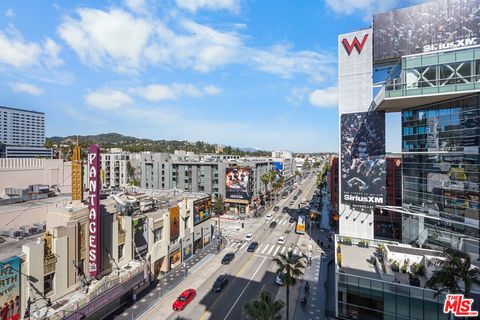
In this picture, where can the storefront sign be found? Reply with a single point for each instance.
(202, 210)
(94, 209)
(174, 223)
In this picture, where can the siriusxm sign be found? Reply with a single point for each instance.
(450, 45)
(366, 199)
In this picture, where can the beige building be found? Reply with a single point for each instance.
(20, 173)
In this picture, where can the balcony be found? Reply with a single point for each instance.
(424, 79)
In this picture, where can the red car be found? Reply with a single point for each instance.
(184, 299)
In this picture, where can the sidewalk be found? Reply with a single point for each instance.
(316, 275)
(163, 286)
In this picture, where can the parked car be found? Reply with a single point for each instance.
(252, 247)
(281, 240)
(276, 208)
(280, 280)
(285, 210)
(273, 224)
(228, 258)
(292, 219)
(295, 197)
(220, 283)
(291, 203)
(184, 299)
(268, 216)
(249, 237)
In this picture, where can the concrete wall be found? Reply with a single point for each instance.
(20, 173)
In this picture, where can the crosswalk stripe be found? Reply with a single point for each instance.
(264, 248)
(271, 249)
(283, 249)
(276, 250)
(283, 222)
(243, 245)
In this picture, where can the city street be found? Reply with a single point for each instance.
(248, 274)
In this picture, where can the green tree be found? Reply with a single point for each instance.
(218, 206)
(292, 266)
(454, 270)
(266, 308)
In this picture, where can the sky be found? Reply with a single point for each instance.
(245, 73)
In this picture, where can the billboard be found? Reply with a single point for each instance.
(278, 169)
(202, 210)
(363, 165)
(239, 183)
(174, 223)
(429, 27)
(10, 288)
(140, 237)
(94, 209)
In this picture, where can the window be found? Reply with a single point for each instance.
(157, 234)
(120, 251)
(48, 283)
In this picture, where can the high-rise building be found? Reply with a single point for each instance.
(425, 61)
(22, 134)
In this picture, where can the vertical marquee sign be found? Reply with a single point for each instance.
(94, 209)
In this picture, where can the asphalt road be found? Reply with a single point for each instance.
(248, 274)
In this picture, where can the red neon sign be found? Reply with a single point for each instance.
(355, 43)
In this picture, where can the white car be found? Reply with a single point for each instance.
(281, 240)
(268, 216)
(249, 237)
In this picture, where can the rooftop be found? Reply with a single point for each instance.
(13, 247)
(23, 110)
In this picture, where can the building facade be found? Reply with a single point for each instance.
(431, 54)
(22, 134)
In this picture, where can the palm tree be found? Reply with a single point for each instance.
(264, 309)
(454, 270)
(292, 266)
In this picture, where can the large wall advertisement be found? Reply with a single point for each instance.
(277, 167)
(239, 183)
(202, 210)
(363, 168)
(10, 289)
(94, 209)
(433, 26)
(140, 236)
(174, 223)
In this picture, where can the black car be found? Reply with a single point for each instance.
(292, 219)
(285, 210)
(273, 224)
(252, 247)
(300, 191)
(276, 208)
(220, 283)
(228, 257)
(295, 198)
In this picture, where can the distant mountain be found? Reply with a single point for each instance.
(133, 144)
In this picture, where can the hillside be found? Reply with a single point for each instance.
(133, 144)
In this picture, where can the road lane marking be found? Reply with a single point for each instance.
(246, 286)
(283, 249)
(243, 245)
(271, 249)
(276, 250)
(218, 297)
(264, 248)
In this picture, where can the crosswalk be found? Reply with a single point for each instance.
(280, 221)
(266, 249)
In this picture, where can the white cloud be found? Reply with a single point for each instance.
(115, 37)
(26, 88)
(17, 52)
(158, 92)
(121, 40)
(297, 95)
(212, 90)
(139, 6)
(10, 13)
(324, 98)
(107, 99)
(52, 51)
(194, 5)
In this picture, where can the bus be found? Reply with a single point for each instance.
(300, 227)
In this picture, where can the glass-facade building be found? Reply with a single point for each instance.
(441, 166)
